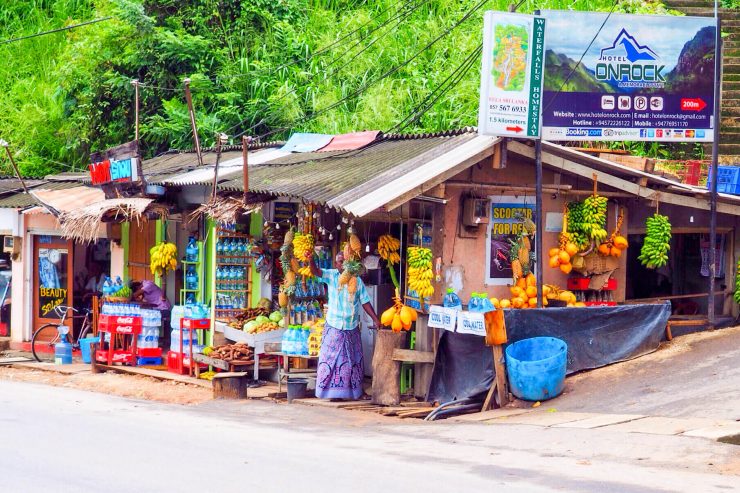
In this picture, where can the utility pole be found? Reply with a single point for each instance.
(245, 170)
(189, 99)
(221, 139)
(713, 172)
(12, 162)
(135, 83)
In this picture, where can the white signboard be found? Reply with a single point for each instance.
(471, 323)
(442, 318)
(511, 75)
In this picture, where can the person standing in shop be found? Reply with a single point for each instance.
(341, 369)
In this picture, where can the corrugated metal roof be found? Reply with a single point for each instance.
(305, 142)
(9, 185)
(20, 200)
(322, 177)
(67, 200)
(354, 140)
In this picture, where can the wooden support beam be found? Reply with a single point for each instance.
(413, 356)
(613, 181)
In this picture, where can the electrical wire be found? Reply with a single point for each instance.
(65, 28)
(369, 84)
(444, 87)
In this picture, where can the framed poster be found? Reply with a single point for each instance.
(644, 77)
(502, 227)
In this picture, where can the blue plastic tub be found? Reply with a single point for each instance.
(536, 367)
(85, 348)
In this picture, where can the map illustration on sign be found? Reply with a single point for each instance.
(510, 57)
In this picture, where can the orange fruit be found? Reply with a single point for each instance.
(566, 268)
(516, 302)
(553, 252)
(545, 290)
(580, 304)
(496, 303)
(533, 302)
(564, 257)
(604, 249)
(531, 280)
(505, 303)
(620, 242)
(516, 291)
(531, 292)
(524, 299)
(616, 252)
(571, 249)
(554, 262)
(522, 283)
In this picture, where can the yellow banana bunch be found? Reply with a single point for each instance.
(388, 247)
(162, 257)
(420, 271)
(303, 246)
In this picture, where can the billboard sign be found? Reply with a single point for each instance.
(644, 77)
(504, 227)
(511, 75)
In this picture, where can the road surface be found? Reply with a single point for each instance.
(57, 439)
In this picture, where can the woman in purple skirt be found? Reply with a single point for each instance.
(340, 372)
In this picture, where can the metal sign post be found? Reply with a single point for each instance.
(713, 173)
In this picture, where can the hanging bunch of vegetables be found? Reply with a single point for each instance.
(562, 257)
(654, 252)
(352, 265)
(616, 243)
(420, 271)
(399, 316)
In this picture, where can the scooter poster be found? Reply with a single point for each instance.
(504, 225)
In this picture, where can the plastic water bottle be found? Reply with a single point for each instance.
(485, 303)
(191, 278)
(452, 300)
(473, 303)
(191, 251)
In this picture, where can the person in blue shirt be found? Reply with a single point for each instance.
(340, 371)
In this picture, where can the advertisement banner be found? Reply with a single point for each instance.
(511, 75)
(645, 77)
(503, 227)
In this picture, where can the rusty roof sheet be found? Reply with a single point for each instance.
(320, 177)
(21, 200)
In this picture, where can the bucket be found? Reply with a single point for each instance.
(297, 388)
(536, 367)
(85, 344)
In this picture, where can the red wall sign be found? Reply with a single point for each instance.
(114, 171)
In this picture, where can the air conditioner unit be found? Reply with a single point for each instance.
(475, 212)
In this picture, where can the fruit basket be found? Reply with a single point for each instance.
(117, 299)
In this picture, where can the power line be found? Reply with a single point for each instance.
(66, 28)
(388, 73)
(443, 88)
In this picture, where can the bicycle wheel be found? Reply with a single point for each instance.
(42, 343)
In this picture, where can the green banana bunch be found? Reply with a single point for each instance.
(587, 221)
(654, 252)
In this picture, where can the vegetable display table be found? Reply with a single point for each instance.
(256, 341)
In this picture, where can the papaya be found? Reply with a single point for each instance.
(387, 317)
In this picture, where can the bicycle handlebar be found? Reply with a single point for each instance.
(62, 310)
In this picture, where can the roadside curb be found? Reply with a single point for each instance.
(725, 431)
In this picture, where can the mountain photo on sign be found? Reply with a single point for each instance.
(511, 42)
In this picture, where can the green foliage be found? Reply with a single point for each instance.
(256, 66)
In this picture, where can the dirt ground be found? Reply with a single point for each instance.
(132, 386)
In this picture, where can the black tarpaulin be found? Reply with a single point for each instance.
(596, 336)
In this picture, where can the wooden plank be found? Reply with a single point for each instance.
(413, 356)
(488, 403)
(500, 368)
(416, 413)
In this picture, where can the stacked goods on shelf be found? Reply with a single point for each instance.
(420, 273)
(147, 345)
(233, 273)
(247, 315)
(314, 339)
(162, 257)
(121, 323)
(399, 316)
(654, 252)
(353, 267)
(262, 323)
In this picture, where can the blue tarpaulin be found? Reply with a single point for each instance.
(302, 142)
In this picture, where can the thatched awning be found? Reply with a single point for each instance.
(226, 209)
(82, 224)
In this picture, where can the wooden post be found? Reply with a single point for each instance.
(191, 111)
(496, 333)
(12, 162)
(231, 385)
(386, 371)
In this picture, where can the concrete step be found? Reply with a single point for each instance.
(730, 137)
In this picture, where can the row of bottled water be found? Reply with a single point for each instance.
(313, 289)
(152, 318)
(110, 286)
(149, 338)
(295, 340)
(122, 309)
(230, 302)
(187, 336)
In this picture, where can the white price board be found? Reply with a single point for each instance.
(442, 318)
(471, 323)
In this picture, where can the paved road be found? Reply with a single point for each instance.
(58, 439)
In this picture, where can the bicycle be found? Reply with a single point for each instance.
(44, 339)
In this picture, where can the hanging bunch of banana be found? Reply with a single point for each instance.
(420, 271)
(352, 265)
(654, 252)
(162, 257)
(303, 245)
(289, 265)
(388, 248)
